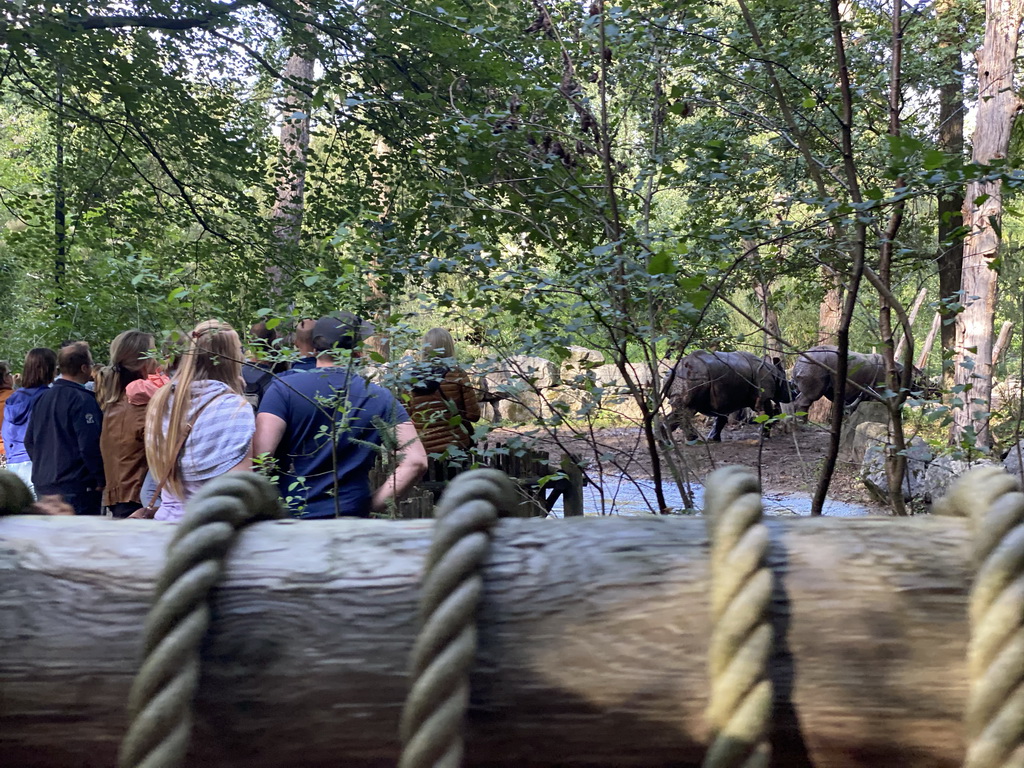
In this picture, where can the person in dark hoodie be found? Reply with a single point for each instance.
(63, 437)
(36, 375)
(257, 372)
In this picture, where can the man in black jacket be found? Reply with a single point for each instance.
(63, 437)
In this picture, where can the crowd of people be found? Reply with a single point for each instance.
(140, 435)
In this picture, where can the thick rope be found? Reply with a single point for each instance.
(160, 702)
(994, 718)
(740, 705)
(431, 727)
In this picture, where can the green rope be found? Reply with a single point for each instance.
(994, 718)
(740, 705)
(160, 702)
(431, 727)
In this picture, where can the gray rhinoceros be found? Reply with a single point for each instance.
(719, 383)
(814, 377)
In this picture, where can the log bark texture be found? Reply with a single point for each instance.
(593, 640)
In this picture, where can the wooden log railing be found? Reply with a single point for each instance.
(593, 639)
(587, 640)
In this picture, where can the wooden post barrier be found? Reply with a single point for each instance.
(525, 468)
(593, 639)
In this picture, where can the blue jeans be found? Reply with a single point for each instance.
(23, 469)
(148, 489)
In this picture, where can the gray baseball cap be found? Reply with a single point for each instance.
(338, 330)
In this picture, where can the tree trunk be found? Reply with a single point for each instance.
(950, 201)
(914, 311)
(830, 317)
(286, 215)
(830, 312)
(772, 333)
(772, 343)
(593, 642)
(60, 245)
(926, 348)
(983, 209)
(1001, 342)
(895, 456)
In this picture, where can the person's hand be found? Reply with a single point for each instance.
(52, 505)
(142, 514)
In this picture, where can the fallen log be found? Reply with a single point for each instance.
(593, 640)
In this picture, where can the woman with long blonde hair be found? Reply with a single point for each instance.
(200, 426)
(122, 441)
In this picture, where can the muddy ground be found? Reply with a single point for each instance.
(788, 463)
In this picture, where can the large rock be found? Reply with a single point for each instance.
(580, 360)
(1014, 461)
(943, 470)
(868, 434)
(1006, 393)
(616, 398)
(866, 413)
(601, 391)
(872, 471)
(526, 382)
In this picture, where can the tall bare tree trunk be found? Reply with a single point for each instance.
(830, 317)
(1001, 342)
(914, 312)
(772, 333)
(983, 209)
(926, 348)
(60, 254)
(951, 201)
(895, 456)
(769, 320)
(830, 312)
(286, 215)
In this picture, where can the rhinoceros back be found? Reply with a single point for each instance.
(718, 383)
(814, 374)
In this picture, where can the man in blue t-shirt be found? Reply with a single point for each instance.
(324, 427)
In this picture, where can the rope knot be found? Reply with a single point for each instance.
(994, 718)
(740, 704)
(431, 726)
(160, 701)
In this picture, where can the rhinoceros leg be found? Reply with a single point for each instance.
(715, 435)
(682, 417)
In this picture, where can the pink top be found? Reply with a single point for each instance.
(140, 391)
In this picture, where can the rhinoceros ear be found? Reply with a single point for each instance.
(777, 360)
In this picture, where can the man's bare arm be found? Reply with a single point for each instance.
(412, 463)
(269, 431)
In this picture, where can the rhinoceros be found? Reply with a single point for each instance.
(814, 377)
(719, 383)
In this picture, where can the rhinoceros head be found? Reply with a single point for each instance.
(784, 389)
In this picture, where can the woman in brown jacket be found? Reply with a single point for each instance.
(122, 441)
(443, 403)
